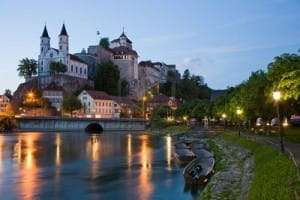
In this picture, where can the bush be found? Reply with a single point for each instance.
(7, 124)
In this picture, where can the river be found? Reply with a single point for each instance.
(112, 165)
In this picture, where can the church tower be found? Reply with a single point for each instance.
(45, 42)
(63, 41)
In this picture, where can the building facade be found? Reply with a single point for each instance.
(4, 101)
(98, 104)
(54, 94)
(75, 66)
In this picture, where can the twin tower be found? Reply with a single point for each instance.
(63, 42)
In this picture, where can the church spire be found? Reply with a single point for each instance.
(45, 33)
(63, 30)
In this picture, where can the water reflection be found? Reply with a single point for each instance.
(29, 182)
(93, 150)
(57, 154)
(1, 150)
(82, 166)
(145, 185)
(168, 151)
(129, 151)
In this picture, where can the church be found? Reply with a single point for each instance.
(75, 66)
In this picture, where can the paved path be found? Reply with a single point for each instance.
(293, 148)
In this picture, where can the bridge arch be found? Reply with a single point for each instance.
(94, 127)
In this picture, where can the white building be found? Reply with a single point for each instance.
(4, 101)
(75, 66)
(98, 104)
(54, 94)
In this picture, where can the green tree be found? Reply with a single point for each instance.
(104, 42)
(7, 93)
(27, 67)
(290, 85)
(57, 67)
(71, 103)
(107, 78)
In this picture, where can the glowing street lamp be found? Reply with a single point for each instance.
(224, 116)
(277, 97)
(239, 112)
(144, 98)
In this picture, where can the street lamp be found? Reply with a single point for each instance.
(30, 96)
(239, 112)
(144, 98)
(277, 97)
(224, 116)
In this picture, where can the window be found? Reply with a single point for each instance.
(71, 68)
(51, 55)
(76, 69)
(80, 70)
(42, 49)
(60, 47)
(84, 71)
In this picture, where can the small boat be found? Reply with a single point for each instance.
(184, 155)
(180, 145)
(202, 153)
(198, 145)
(199, 170)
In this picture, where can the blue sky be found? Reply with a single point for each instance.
(224, 41)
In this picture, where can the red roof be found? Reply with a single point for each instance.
(99, 95)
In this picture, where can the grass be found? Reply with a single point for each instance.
(275, 176)
(291, 134)
(220, 166)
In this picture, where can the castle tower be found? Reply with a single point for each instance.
(45, 42)
(63, 41)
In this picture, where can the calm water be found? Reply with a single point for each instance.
(81, 166)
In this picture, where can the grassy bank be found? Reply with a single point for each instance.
(275, 176)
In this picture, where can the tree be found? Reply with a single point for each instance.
(290, 85)
(186, 74)
(27, 67)
(71, 103)
(107, 78)
(57, 67)
(104, 42)
(7, 93)
(34, 99)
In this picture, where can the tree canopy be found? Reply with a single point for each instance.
(107, 79)
(71, 103)
(27, 67)
(57, 67)
(104, 42)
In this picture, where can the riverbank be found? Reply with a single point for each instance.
(246, 169)
(249, 170)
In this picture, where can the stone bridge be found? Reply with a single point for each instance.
(79, 124)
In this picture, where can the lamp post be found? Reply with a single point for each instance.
(144, 98)
(239, 112)
(277, 97)
(224, 116)
(30, 96)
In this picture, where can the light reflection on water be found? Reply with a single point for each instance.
(112, 165)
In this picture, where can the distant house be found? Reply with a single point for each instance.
(54, 94)
(216, 93)
(4, 101)
(126, 105)
(162, 99)
(98, 104)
